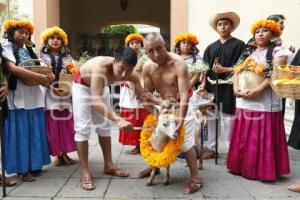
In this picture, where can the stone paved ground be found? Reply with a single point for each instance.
(63, 182)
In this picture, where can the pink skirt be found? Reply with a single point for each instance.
(60, 132)
(137, 118)
(258, 147)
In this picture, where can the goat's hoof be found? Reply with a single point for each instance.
(149, 183)
(167, 182)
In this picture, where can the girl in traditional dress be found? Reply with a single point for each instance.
(131, 109)
(258, 147)
(185, 45)
(26, 148)
(59, 118)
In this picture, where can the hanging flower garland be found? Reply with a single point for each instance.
(169, 153)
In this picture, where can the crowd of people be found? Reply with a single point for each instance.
(39, 122)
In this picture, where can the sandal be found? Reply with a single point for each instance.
(28, 177)
(193, 186)
(87, 183)
(59, 161)
(68, 160)
(147, 172)
(8, 182)
(115, 171)
(135, 151)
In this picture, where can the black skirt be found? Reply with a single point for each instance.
(294, 139)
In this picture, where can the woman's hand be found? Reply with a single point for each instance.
(237, 92)
(252, 93)
(3, 92)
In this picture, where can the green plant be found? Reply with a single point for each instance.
(123, 29)
(83, 58)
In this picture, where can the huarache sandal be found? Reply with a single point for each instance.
(115, 171)
(87, 183)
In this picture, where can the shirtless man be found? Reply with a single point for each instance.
(167, 73)
(91, 102)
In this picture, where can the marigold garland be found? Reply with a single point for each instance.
(250, 65)
(273, 26)
(186, 36)
(134, 36)
(54, 31)
(21, 23)
(170, 152)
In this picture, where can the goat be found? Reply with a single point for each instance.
(164, 131)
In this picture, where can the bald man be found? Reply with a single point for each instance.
(167, 73)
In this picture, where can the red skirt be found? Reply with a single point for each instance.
(258, 147)
(136, 117)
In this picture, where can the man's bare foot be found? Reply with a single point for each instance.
(146, 173)
(210, 154)
(193, 186)
(116, 171)
(87, 182)
(294, 187)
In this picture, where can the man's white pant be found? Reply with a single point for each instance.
(86, 118)
(211, 123)
(190, 126)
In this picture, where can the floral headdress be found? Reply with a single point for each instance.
(55, 30)
(186, 36)
(21, 23)
(270, 24)
(134, 36)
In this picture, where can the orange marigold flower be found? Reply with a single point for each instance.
(186, 36)
(134, 36)
(71, 68)
(273, 26)
(21, 23)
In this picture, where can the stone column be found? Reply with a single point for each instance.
(45, 14)
(179, 18)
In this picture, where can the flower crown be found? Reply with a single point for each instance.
(55, 30)
(270, 24)
(186, 36)
(21, 23)
(134, 36)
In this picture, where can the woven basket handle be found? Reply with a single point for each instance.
(35, 60)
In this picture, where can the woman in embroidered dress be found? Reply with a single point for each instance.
(26, 148)
(258, 147)
(59, 119)
(185, 45)
(131, 109)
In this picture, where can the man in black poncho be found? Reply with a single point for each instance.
(221, 56)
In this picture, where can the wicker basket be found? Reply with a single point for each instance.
(278, 73)
(65, 84)
(249, 80)
(287, 90)
(35, 68)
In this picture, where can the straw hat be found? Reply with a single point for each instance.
(226, 15)
(2, 7)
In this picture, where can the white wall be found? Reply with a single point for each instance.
(199, 12)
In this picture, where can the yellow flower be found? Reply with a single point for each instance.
(186, 36)
(55, 30)
(273, 26)
(169, 153)
(134, 36)
(21, 23)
